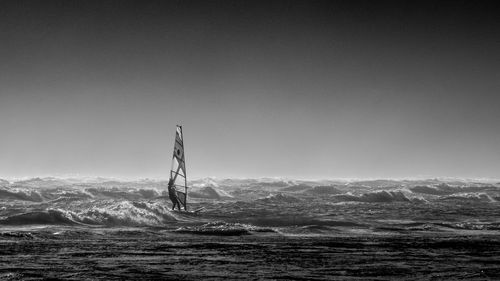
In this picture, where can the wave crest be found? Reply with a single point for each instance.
(375, 197)
(116, 213)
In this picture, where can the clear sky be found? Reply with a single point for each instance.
(303, 89)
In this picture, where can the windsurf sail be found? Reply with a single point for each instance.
(178, 169)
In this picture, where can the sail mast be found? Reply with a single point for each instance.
(185, 172)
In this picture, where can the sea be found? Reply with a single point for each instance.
(250, 229)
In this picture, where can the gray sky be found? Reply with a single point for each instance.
(300, 89)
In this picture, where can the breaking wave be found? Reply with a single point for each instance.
(52, 217)
(26, 194)
(23, 195)
(477, 197)
(445, 189)
(240, 207)
(107, 213)
(375, 197)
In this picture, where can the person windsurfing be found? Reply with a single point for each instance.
(173, 196)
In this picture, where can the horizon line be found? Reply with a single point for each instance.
(276, 178)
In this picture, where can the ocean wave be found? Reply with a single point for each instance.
(296, 188)
(107, 213)
(473, 197)
(445, 189)
(24, 195)
(471, 225)
(48, 217)
(323, 190)
(278, 198)
(209, 192)
(127, 213)
(312, 207)
(375, 197)
(219, 228)
(76, 193)
(16, 235)
(128, 194)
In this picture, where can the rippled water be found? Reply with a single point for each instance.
(252, 229)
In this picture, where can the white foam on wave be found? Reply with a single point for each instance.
(104, 212)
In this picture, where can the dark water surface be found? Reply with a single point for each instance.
(115, 254)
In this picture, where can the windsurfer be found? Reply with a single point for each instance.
(173, 196)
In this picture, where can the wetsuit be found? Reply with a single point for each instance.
(173, 195)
